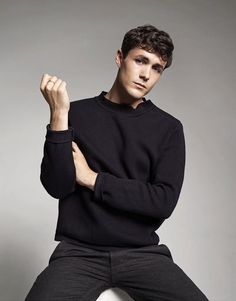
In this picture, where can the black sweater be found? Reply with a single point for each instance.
(139, 155)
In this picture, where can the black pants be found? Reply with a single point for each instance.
(82, 274)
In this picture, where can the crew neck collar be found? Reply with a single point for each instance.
(124, 109)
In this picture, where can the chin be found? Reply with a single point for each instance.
(135, 93)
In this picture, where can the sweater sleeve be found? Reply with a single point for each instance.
(157, 199)
(57, 174)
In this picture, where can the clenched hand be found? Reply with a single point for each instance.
(55, 93)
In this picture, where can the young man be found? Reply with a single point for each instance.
(116, 163)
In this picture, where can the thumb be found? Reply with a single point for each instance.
(74, 145)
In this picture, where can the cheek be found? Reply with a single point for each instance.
(132, 69)
(154, 81)
(156, 77)
(128, 74)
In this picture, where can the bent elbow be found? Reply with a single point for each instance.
(57, 191)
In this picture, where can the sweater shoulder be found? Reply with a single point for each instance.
(166, 118)
(83, 106)
(83, 102)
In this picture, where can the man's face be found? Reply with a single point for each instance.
(140, 67)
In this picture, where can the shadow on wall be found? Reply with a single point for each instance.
(114, 294)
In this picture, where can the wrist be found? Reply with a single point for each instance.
(59, 120)
(58, 112)
(91, 180)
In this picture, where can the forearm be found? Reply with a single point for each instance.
(57, 166)
(151, 200)
(91, 179)
(155, 199)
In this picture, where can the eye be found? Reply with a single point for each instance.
(158, 70)
(139, 61)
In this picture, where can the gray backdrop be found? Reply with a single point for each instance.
(77, 41)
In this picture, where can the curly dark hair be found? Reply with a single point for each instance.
(149, 38)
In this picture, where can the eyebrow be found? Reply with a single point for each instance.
(146, 59)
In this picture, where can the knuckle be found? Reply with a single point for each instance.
(60, 90)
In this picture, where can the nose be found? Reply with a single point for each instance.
(145, 73)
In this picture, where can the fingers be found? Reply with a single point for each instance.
(62, 86)
(45, 78)
(54, 87)
(74, 146)
(59, 87)
(51, 83)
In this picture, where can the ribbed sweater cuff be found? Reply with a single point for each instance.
(60, 136)
(98, 186)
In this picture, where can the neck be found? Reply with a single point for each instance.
(118, 95)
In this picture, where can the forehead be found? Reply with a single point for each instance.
(153, 58)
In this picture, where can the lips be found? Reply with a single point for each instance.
(140, 85)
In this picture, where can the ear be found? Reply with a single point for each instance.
(119, 57)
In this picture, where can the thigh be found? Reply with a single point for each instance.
(73, 273)
(150, 274)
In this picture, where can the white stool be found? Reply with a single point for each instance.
(114, 294)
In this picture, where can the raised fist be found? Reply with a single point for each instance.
(55, 93)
